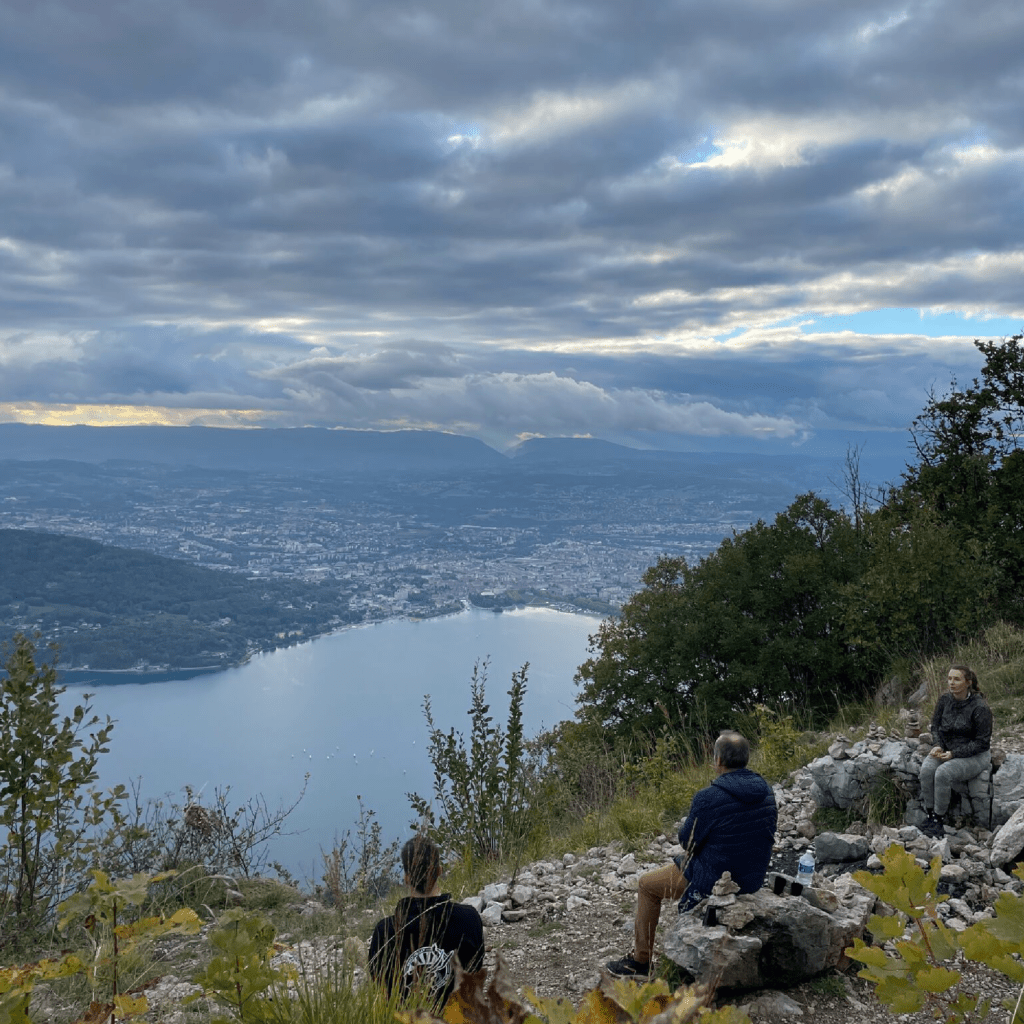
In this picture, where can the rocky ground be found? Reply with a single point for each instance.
(560, 953)
(557, 922)
(578, 914)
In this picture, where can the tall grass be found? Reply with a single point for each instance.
(996, 655)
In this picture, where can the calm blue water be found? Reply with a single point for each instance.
(347, 708)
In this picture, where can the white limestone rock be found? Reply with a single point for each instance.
(1008, 842)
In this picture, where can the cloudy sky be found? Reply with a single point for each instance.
(703, 223)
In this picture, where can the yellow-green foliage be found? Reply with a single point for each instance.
(911, 971)
(479, 1000)
(110, 914)
(240, 974)
(117, 934)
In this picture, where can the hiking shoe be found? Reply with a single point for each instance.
(627, 967)
(932, 826)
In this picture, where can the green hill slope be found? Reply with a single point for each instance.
(112, 608)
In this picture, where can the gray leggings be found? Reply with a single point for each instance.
(937, 777)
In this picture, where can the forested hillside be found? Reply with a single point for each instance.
(112, 607)
(810, 611)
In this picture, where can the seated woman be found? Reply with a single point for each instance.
(415, 948)
(962, 730)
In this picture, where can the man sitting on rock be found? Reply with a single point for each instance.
(730, 827)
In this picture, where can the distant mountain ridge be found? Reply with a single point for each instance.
(299, 449)
(316, 450)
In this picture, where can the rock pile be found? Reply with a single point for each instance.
(760, 935)
(847, 774)
(763, 940)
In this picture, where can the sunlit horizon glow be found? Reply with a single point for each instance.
(99, 415)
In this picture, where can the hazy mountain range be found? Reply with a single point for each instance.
(338, 452)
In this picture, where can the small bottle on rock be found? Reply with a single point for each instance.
(805, 869)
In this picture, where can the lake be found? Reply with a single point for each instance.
(347, 708)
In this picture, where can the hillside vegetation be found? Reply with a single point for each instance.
(809, 611)
(112, 607)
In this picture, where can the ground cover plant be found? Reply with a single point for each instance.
(914, 964)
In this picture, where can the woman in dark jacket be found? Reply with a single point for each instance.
(962, 730)
(415, 949)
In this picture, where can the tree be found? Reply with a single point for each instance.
(757, 621)
(482, 805)
(983, 420)
(924, 586)
(46, 807)
(970, 469)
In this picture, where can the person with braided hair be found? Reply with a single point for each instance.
(415, 950)
(962, 731)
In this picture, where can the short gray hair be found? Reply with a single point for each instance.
(732, 750)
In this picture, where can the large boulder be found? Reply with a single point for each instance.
(1008, 788)
(840, 848)
(1008, 842)
(766, 940)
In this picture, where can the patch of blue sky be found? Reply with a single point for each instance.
(702, 150)
(910, 321)
(789, 321)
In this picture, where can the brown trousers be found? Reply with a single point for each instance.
(666, 883)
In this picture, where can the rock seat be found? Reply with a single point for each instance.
(766, 940)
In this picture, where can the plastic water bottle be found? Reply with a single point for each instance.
(805, 869)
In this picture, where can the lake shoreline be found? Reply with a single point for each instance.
(101, 677)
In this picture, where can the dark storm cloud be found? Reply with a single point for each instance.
(569, 206)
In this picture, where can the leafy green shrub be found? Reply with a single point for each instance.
(482, 806)
(666, 779)
(779, 746)
(580, 769)
(915, 968)
(240, 976)
(112, 918)
(361, 868)
(47, 808)
(117, 961)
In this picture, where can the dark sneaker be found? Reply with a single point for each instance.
(932, 826)
(627, 967)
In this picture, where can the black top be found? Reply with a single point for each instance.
(434, 931)
(963, 727)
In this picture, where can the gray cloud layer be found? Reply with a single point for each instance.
(540, 216)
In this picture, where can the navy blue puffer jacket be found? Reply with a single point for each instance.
(732, 825)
